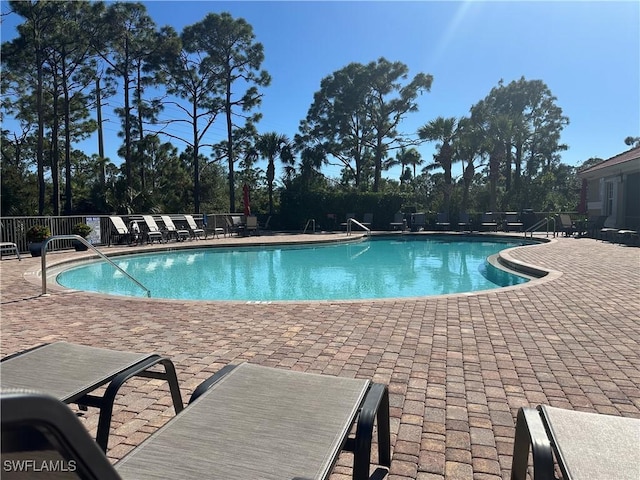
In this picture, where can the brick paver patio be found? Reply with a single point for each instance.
(458, 366)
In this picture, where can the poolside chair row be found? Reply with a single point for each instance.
(245, 422)
(597, 228)
(253, 422)
(145, 228)
(509, 222)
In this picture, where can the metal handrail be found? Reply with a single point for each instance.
(353, 220)
(539, 224)
(313, 222)
(85, 242)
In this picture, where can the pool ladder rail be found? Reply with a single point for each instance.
(350, 221)
(85, 242)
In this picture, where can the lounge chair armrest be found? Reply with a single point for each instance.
(62, 429)
(530, 430)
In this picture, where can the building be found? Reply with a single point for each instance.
(613, 190)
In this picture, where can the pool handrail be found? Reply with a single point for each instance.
(43, 255)
(537, 225)
(353, 220)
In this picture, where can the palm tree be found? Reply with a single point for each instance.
(403, 158)
(444, 131)
(269, 146)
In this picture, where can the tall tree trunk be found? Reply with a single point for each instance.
(55, 151)
(103, 172)
(196, 161)
(40, 147)
(232, 193)
(68, 203)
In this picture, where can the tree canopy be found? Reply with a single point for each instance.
(68, 58)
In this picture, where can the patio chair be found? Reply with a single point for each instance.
(120, 228)
(234, 224)
(565, 224)
(245, 422)
(442, 221)
(418, 221)
(71, 373)
(153, 233)
(464, 223)
(489, 222)
(512, 222)
(585, 445)
(196, 232)
(398, 222)
(367, 220)
(11, 247)
(214, 229)
(251, 225)
(171, 229)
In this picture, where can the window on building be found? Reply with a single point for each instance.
(609, 198)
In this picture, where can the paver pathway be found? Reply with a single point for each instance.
(458, 366)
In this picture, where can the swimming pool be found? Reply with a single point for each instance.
(411, 266)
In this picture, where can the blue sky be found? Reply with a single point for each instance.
(588, 54)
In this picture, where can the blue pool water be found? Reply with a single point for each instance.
(376, 268)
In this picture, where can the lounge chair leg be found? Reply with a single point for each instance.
(106, 402)
(530, 430)
(374, 406)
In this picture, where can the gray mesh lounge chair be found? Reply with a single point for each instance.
(464, 223)
(399, 222)
(121, 230)
(153, 231)
(512, 222)
(442, 221)
(586, 446)
(565, 224)
(246, 422)
(171, 229)
(489, 222)
(252, 227)
(72, 372)
(196, 232)
(11, 247)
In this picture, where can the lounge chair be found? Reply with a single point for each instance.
(367, 220)
(251, 225)
(418, 221)
(442, 221)
(585, 445)
(464, 224)
(11, 247)
(215, 230)
(565, 224)
(245, 422)
(234, 224)
(196, 232)
(122, 231)
(153, 233)
(398, 222)
(171, 229)
(512, 222)
(489, 222)
(70, 373)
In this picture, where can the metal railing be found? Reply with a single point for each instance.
(537, 225)
(78, 238)
(353, 220)
(311, 221)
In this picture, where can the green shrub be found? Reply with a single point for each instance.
(81, 229)
(38, 233)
